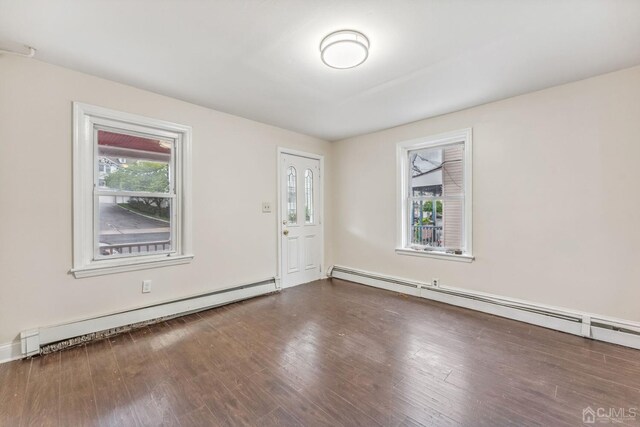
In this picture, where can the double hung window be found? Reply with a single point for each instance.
(131, 192)
(435, 196)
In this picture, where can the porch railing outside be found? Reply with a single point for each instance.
(427, 235)
(136, 247)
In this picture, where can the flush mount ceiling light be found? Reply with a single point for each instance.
(344, 49)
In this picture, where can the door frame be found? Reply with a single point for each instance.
(279, 228)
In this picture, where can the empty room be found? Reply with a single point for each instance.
(319, 213)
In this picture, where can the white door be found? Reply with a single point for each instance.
(301, 230)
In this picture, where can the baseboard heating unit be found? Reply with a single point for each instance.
(52, 338)
(593, 326)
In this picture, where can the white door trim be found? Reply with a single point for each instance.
(320, 157)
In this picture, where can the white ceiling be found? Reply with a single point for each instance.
(259, 58)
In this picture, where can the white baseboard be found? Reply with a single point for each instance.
(33, 340)
(10, 351)
(588, 325)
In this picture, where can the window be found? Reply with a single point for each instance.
(292, 195)
(308, 196)
(131, 192)
(435, 196)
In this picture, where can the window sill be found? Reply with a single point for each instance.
(435, 254)
(100, 268)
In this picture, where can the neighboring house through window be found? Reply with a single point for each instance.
(131, 192)
(435, 196)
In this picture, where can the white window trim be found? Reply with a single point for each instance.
(402, 176)
(85, 118)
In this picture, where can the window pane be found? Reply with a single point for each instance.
(292, 195)
(133, 163)
(453, 213)
(427, 223)
(426, 172)
(134, 225)
(453, 170)
(308, 196)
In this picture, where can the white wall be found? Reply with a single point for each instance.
(556, 202)
(234, 170)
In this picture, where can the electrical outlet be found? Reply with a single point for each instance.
(146, 286)
(435, 282)
(266, 207)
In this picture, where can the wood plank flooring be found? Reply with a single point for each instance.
(330, 353)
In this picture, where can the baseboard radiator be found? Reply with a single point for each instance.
(593, 326)
(53, 338)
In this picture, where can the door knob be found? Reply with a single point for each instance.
(285, 232)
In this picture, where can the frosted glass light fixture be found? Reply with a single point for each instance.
(344, 49)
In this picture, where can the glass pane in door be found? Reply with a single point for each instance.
(308, 196)
(292, 195)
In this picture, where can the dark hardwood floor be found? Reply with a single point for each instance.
(329, 353)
